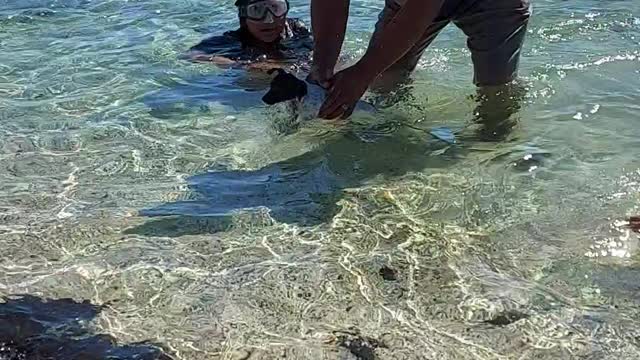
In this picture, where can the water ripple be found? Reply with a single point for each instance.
(515, 249)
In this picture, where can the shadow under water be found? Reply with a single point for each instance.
(232, 89)
(32, 328)
(302, 190)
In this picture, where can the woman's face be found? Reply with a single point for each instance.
(267, 30)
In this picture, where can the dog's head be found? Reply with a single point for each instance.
(284, 87)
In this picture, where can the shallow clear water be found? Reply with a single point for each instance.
(380, 241)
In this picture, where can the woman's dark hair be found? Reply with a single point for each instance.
(243, 20)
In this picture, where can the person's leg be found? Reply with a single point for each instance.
(496, 31)
(497, 110)
(396, 77)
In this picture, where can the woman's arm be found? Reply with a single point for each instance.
(199, 56)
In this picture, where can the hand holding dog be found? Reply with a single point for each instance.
(320, 77)
(346, 88)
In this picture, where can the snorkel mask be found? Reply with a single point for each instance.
(262, 10)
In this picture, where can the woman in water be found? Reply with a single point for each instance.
(266, 39)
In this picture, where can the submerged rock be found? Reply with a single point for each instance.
(388, 273)
(240, 355)
(507, 318)
(34, 328)
(363, 348)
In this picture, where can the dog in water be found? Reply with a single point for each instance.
(303, 98)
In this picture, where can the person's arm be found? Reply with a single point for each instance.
(267, 65)
(210, 50)
(399, 35)
(328, 24)
(199, 56)
(396, 39)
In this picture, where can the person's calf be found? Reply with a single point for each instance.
(497, 110)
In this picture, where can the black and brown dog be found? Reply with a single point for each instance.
(304, 97)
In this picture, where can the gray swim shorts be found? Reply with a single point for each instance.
(495, 32)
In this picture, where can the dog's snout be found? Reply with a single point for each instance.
(269, 99)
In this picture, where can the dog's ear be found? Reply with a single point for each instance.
(284, 87)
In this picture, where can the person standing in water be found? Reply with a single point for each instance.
(266, 38)
(495, 32)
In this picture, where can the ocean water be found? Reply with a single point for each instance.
(124, 171)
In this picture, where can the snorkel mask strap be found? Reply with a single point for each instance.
(242, 11)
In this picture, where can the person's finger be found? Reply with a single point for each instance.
(336, 114)
(326, 104)
(331, 108)
(330, 89)
(330, 114)
(347, 113)
(323, 83)
(331, 103)
(339, 109)
(333, 111)
(322, 80)
(312, 80)
(328, 83)
(324, 109)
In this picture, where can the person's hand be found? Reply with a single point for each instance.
(320, 77)
(347, 87)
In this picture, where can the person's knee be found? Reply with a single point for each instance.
(500, 65)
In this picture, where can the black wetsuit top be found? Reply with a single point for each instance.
(295, 45)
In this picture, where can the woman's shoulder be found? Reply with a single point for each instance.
(218, 43)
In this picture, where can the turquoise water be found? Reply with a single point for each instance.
(381, 241)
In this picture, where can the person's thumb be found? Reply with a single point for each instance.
(327, 84)
(324, 83)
